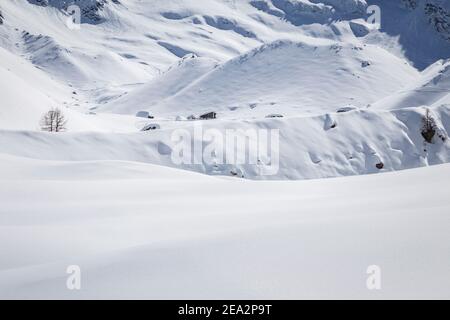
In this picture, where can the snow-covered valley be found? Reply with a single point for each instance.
(341, 92)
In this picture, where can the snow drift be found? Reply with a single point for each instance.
(359, 142)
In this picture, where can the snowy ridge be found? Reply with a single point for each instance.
(433, 89)
(285, 77)
(309, 147)
(171, 82)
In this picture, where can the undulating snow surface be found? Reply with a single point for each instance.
(331, 145)
(144, 231)
(345, 96)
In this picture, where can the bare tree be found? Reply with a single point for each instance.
(53, 121)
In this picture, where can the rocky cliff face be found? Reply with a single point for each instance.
(410, 4)
(90, 9)
(313, 11)
(439, 18)
(436, 12)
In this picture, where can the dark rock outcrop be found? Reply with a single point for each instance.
(439, 18)
(90, 9)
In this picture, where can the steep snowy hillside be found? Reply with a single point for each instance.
(433, 89)
(284, 77)
(89, 9)
(140, 41)
(171, 82)
(85, 58)
(20, 110)
(419, 28)
(27, 92)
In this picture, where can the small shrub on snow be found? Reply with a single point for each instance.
(429, 127)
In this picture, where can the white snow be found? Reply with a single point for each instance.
(294, 78)
(308, 147)
(347, 99)
(143, 231)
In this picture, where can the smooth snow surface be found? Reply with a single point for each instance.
(144, 231)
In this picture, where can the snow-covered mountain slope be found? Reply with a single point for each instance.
(222, 239)
(85, 58)
(173, 81)
(433, 89)
(28, 92)
(415, 29)
(332, 145)
(286, 77)
(246, 59)
(89, 9)
(19, 110)
(139, 41)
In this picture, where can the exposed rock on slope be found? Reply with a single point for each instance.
(439, 18)
(437, 13)
(300, 12)
(89, 8)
